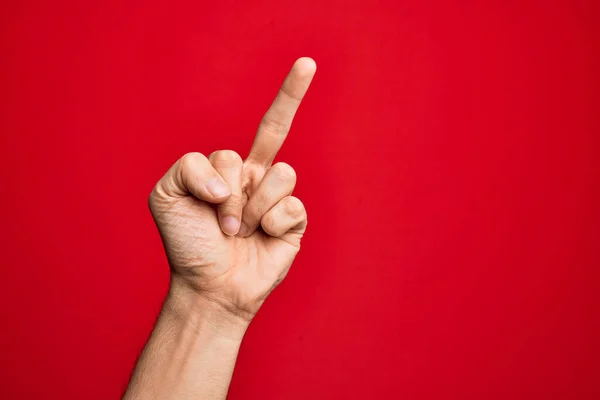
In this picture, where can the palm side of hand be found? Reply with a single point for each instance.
(231, 229)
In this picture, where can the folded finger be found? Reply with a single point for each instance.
(278, 182)
(287, 215)
(194, 174)
(229, 165)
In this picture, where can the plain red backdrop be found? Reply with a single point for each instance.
(447, 153)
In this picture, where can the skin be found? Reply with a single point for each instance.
(231, 230)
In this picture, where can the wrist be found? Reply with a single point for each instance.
(202, 315)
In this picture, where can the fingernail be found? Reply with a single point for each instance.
(230, 225)
(217, 188)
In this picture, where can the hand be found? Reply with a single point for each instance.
(232, 228)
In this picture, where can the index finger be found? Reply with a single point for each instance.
(276, 123)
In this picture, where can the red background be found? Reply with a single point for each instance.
(446, 153)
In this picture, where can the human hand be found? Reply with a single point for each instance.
(231, 228)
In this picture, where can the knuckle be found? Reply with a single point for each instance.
(293, 207)
(268, 222)
(270, 124)
(285, 172)
(190, 160)
(225, 158)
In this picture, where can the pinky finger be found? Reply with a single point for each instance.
(288, 215)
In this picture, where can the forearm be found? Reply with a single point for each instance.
(191, 352)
